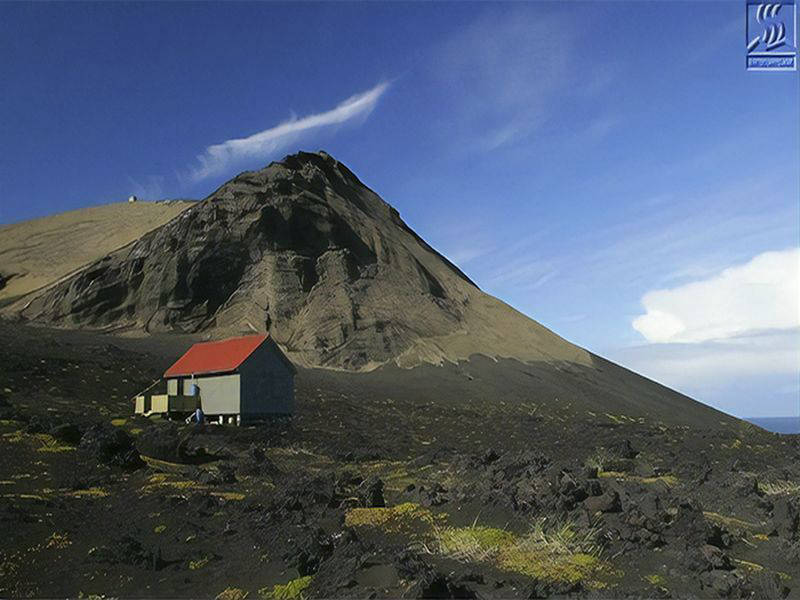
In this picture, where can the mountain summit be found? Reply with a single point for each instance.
(304, 250)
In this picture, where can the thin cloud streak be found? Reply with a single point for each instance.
(503, 89)
(505, 75)
(216, 158)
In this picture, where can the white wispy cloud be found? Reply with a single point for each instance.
(506, 73)
(218, 157)
(496, 73)
(674, 238)
(763, 294)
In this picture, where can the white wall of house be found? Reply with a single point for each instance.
(219, 394)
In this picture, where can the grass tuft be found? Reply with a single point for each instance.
(731, 523)
(551, 551)
(780, 488)
(473, 544)
(196, 565)
(51, 444)
(229, 495)
(58, 541)
(667, 480)
(232, 593)
(748, 566)
(599, 459)
(92, 492)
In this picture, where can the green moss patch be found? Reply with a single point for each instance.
(292, 590)
(655, 579)
(43, 442)
(406, 519)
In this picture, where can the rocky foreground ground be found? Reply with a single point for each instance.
(372, 491)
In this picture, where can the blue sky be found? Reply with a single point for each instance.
(610, 169)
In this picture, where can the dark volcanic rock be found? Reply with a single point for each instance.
(724, 583)
(371, 492)
(124, 550)
(623, 449)
(67, 433)
(689, 524)
(255, 463)
(163, 441)
(786, 516)
(111, 445)
(37, 424)
(746, 486)
(607, 503)
(217, 475)
(430, 495)
(716, 558)
(768, 586)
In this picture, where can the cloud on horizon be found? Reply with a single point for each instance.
(729, 339)
(756, 296)
(752, 375)
(218, 157)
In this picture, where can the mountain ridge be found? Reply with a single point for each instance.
(304, 250)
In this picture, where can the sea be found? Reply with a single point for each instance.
(777, 424)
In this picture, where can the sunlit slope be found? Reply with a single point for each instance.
(36, 253)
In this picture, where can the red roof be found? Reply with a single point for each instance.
(215, 357)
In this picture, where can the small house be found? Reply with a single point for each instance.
(234, 381)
